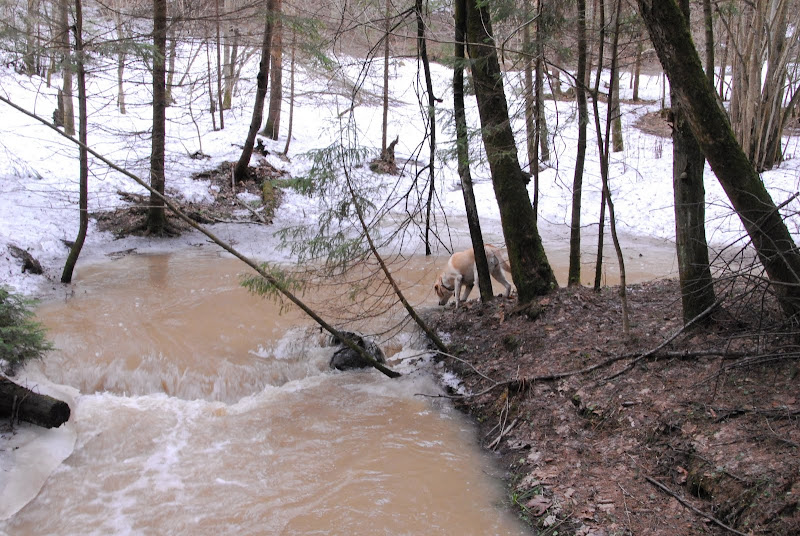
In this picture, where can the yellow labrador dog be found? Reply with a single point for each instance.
(460, 272)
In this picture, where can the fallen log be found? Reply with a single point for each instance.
(23, 404)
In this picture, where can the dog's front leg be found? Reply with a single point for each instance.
(467, 291)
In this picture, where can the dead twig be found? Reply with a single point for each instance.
(697, 511)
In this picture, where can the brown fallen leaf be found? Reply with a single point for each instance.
(538, 505)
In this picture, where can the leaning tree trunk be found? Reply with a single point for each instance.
(688, 163)
(240, 172)
(737, 175)
(530, 268)
(83, 196)
(574, 275)
(462, 148)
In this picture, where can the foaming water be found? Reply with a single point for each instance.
(205, 411)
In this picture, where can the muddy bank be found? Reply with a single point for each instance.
(704, 432)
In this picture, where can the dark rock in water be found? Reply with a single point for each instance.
(345, 358)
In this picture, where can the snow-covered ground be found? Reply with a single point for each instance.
(39, 168)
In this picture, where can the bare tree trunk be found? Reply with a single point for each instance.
(272, 127)
(737, 175)
(385, 119)
(574, 276)
(212, 105)
(291, 94)
(431, 114)
(66, 106)
(219, 69)
(708, 22)
(531, 100)
(637, 69)
(598, 268)
(462, 147)
(541, 118)
(230, 71)
(530, 269)
(697, 290)
(603, 147)
(156, 218)
(173, 52)
(240, 171)
(31, 23)
(83, 197)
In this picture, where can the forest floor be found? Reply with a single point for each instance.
(602, 432)
(607, 433)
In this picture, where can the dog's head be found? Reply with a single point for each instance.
(442, 291)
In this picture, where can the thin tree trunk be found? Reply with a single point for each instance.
(172, 54)
(708, 21)
(709, 124)
(598, 268)
(219, 71)
(574, 276)
(156, 218)
(273, 125)
(291, 93)
(230, 71)
(530, 269)
(462, 147)
(66, 106)
(31, 23)
(604, 169)
(240, 171)
(531, 99)
(385, 119)
(637, 69)
(541, 118)
(212, 105)
(83, 197)
(431, 111)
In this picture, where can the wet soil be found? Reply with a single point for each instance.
(661, 431)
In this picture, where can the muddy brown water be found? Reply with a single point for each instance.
(207, 410)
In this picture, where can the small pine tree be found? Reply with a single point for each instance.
(21, 338)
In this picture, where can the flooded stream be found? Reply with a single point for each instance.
(203, 409)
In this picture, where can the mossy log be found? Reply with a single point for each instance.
(23, 404)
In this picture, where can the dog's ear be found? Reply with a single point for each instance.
(437, 287)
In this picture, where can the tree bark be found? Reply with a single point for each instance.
(737, 175)
(156, 217)
(273, 126)
(291, 93)
(422, 48)
(83, 195)
(68, 111)
(697, 290)
(574, 275)
(240, 172)
(530, 268)
(462, 148)
(219, 68)
(20, 403)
